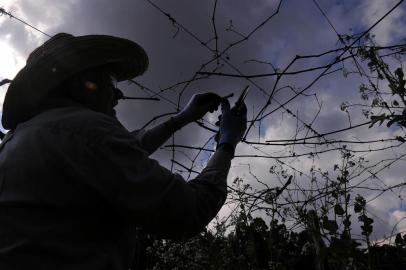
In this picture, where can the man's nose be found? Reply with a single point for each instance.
(118, 94)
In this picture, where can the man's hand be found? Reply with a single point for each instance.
(197, 107)
(233, 123)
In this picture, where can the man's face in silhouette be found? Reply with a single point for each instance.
(100, 93)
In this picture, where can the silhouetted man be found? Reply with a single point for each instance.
(74, 183)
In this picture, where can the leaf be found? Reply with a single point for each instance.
(375, 102)
(396, 118)
(398, 240)
(399, 73)
(400, 139)
(368, 221)
(338, 210)
(357, 208)
(400, 76)
(379, 119)
(359, 204)
(344, 106)
(330, 225)
(347, 221)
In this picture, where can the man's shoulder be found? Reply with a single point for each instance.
(85, 118)
(75, 120)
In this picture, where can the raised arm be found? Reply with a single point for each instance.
(161, 202)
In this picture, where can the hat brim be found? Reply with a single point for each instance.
(124, 58)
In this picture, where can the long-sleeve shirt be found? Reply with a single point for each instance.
(75, 183)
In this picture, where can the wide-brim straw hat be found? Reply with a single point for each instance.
(60, 58)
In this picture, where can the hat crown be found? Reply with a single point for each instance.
(49, 45)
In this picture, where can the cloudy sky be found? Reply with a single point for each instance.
(176, 54)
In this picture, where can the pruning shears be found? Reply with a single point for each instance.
(240, 101)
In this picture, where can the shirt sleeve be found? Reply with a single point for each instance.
(140, 189)
(151, 139)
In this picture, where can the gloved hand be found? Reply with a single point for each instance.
(197, 107)
(233, 123)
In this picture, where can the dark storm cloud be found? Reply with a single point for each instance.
(16, 34)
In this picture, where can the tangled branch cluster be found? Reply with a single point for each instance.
(305, 192)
